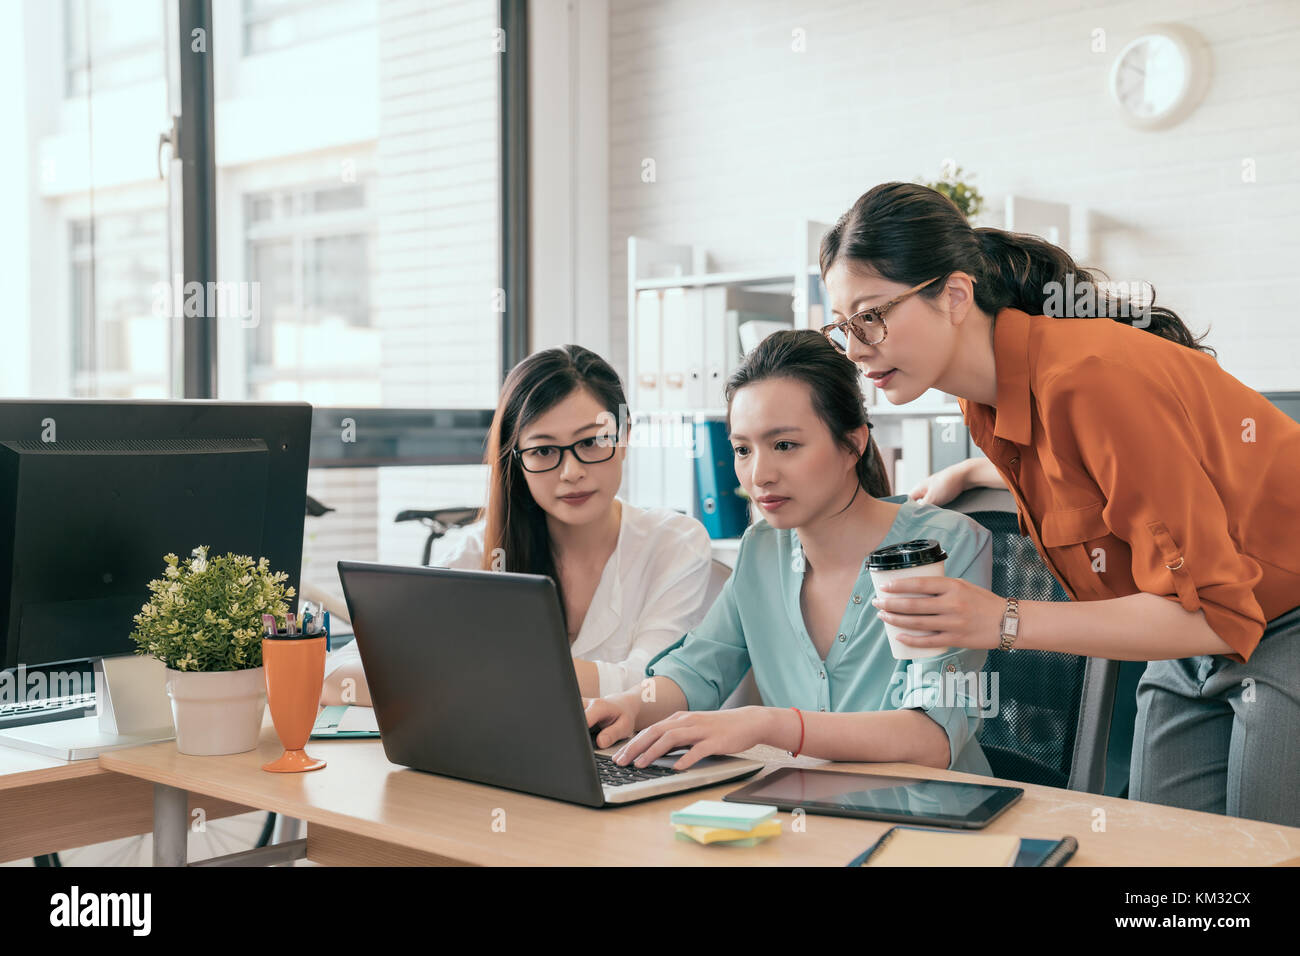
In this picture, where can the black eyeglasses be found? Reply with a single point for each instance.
(869, 324)
(589, 451)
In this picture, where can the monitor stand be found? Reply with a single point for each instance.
(132, 709)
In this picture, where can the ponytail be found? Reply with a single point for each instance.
(908, 233)
(1034, 276)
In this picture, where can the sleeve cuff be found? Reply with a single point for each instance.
(700, 694)
(618, 676)
(1240, 633)
(948, 703)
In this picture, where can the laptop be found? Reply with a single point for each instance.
(470, 676)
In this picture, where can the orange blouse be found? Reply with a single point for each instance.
(1138, 464)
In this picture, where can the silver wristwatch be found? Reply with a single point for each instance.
(1010, 624)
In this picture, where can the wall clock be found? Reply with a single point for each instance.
(1160, 76)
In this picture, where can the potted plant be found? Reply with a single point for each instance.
(963, 194)
(204, 622)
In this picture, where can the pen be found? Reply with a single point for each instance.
(326, 622)
(269, 623)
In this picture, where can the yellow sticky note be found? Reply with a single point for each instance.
(702, 834)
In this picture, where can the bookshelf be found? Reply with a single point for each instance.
(678, 362)
(911, 437)
(916, 439)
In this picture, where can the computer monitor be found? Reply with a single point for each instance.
(93, 494)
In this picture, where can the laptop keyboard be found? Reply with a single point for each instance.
(612, 775)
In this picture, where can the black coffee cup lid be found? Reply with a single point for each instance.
(908, 554)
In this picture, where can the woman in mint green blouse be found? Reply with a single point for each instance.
(798, 606)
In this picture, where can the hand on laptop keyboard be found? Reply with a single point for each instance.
(612, 775)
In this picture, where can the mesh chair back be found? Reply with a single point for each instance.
(1032, 736)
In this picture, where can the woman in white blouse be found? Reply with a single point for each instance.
(631, 580)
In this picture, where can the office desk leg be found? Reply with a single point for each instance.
(171, 825)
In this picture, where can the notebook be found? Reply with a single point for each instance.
(346, 720)
(922, 846)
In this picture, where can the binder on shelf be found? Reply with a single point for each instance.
(688, 342)
(725, 310)
(645, 463)
(679, 474)
(721, 346)
(682, 332)
(647, 472)
(723, 512)
(647, 390)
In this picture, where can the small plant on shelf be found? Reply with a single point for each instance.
(964, 195)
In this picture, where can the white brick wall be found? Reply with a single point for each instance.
(436, 258)
(435, 267)
(750, 137)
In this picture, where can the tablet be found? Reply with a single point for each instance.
(945, 803)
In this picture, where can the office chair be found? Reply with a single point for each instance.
(1054, 710)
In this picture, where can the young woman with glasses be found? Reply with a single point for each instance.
(797, 607)
(631, 580)
(1158, 488)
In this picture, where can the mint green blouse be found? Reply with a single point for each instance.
(757, 622)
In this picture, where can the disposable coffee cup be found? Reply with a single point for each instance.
(920, 557)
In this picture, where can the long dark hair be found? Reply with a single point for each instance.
(909, 233)
(515, 522)
(805, 356)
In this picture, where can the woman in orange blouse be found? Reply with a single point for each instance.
(1160, 490)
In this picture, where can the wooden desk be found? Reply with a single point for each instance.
(47, 805)
(361, 809)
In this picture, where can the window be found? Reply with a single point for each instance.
(357, 195)
(308, 258)
(85, 235)
(118, 306)
(276, 24)
(119, 43)
(358, 186)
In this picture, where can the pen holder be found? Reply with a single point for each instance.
(295, 670)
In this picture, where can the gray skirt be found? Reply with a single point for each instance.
(1223, 737)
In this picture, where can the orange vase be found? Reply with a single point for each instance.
(295, 669)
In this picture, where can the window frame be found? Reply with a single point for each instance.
(407, 436)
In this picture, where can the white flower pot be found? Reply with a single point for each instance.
(217, 712)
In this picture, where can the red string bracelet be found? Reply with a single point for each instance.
(795, 753)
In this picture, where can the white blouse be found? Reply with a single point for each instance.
(651, 592)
